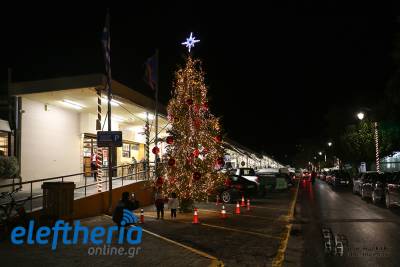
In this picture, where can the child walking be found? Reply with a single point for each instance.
(173, 205)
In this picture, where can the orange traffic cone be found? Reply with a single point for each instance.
(237, 210)
(223, 212)
(243, 204)
(141, 216)
(248, 204)
(195, 217)
(217, 201)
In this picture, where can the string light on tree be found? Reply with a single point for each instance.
(196, 147)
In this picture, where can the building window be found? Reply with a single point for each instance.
(126, 150)
(3, 144)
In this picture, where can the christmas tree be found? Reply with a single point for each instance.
(194, 145)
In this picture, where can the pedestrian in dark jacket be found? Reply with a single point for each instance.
(159, 202)
(126, 202)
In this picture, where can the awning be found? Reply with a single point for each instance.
(4, 126)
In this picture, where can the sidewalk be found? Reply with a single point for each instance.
(252, 238)
(153, 251)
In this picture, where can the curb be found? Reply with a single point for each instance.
(280, 256)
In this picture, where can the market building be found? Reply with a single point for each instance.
(57, 127)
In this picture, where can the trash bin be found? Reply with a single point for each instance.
(58, 200)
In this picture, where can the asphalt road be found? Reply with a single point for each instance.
(372, 232)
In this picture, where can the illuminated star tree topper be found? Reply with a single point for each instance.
(190, 41)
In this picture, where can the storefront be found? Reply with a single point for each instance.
(58, 135)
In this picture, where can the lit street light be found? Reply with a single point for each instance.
(320, 153)
(360, 116)
(329, 143)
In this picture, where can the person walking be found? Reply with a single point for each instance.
(159, 202)
(133, 168)
(93, 165)
(173, 204)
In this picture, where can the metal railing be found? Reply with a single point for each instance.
(31, 191)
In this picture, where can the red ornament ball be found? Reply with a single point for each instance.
(172, 180)
(220, 161)
(189, 101)
(171, 162)
(170, 140)
(155, 150)
(196, 176)
(218, 138)
(197, 123)
(196, 153)
(159, 181)
(196, 108)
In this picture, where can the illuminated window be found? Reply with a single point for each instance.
(126, 150)
(3, 143)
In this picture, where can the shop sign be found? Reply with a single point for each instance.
(109, 138)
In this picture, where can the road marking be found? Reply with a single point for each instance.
(240, 231)
(280, 256)
(225, 228)
(245, 215)
(214, 260)
(258, 207)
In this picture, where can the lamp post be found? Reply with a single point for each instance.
(360, 116)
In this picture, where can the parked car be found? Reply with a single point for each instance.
(340, 178)
(378, 191)
(235, 187)
(392, 191)
(359, 180)
(247, 173)
(306, 176)
(328, 177)
(322, 175)
(298, 173)
(367, 184)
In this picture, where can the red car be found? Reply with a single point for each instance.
(306, 176)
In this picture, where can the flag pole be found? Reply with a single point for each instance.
(110, 148)
(156, 113)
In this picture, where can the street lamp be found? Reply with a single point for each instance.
(320, 153)
(329, 144)
(360, 116)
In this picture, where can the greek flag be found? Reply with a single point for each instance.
(106, 47)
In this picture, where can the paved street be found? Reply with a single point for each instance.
(372, 231)
(249, 239)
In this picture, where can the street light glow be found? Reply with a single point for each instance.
(329, 143)
(360, 115)
(320, 153)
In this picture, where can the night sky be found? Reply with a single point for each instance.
(272, 74)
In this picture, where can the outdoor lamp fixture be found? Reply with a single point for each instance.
(320, 153)
(329, 143)
(114, 102)
(117, 118)
(360, 116)
(72, 104)
(144, 116)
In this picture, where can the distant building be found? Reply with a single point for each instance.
(391, 163)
